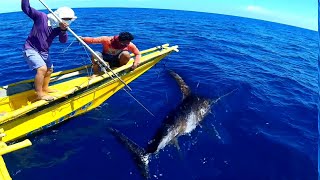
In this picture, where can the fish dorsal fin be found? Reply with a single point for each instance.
(183, 86)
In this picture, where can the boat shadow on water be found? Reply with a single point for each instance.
(182, 120)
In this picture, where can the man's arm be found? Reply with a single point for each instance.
(92, 40)
(28, 10)
(63, 36)
(137, 59)
(137, 54)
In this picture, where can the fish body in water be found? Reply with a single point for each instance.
(180, 121)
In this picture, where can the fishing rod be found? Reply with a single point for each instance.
(83, 43)
(98, 57)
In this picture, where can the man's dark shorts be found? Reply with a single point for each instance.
(113, 60)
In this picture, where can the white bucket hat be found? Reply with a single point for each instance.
(62, 12)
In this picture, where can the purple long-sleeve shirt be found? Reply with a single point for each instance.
(41, 35)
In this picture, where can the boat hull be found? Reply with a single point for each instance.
(73, 104)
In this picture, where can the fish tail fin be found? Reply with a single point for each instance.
(139, 155)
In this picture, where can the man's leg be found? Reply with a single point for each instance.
(95, 66)
(39, 82)
(124, 58)
(37, 63)
(46, 81)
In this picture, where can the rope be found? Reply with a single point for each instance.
(112, 77)
(84, 63)
(138, 102)
(67, 48)
(164, 67)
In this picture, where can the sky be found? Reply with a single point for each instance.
(300, 13)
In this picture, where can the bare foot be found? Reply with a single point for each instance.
(46, 98)
(50, 90)
(93, 76)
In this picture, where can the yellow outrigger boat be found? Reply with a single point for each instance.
(22, 115)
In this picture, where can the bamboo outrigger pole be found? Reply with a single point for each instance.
(82, 42)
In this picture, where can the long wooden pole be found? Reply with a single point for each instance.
(99, 58)
(82, 42)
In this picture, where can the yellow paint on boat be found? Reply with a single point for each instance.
(4, 149)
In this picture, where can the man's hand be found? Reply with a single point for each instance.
(63, 26)
(135, 65)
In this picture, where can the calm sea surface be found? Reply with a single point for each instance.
(265, 130)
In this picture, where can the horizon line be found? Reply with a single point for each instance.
(311, 29)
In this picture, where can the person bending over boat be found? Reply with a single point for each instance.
(115, 50)
(36, 48)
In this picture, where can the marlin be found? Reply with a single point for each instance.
(181, 121)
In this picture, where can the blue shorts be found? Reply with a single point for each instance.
(37, 59)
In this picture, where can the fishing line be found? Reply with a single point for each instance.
(67, 48)
(104, 69)
(80, 40)
(84, 62)
(197, 87)
(138, 102)
(123, 87)
(91, 69)
(164, 67)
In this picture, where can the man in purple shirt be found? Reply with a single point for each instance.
(36, 48)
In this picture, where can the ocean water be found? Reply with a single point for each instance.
(266, 130)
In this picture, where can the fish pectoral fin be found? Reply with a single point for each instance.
(176, 143)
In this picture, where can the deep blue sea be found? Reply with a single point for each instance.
(266, 130)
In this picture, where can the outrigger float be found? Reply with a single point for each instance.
(21, 114)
